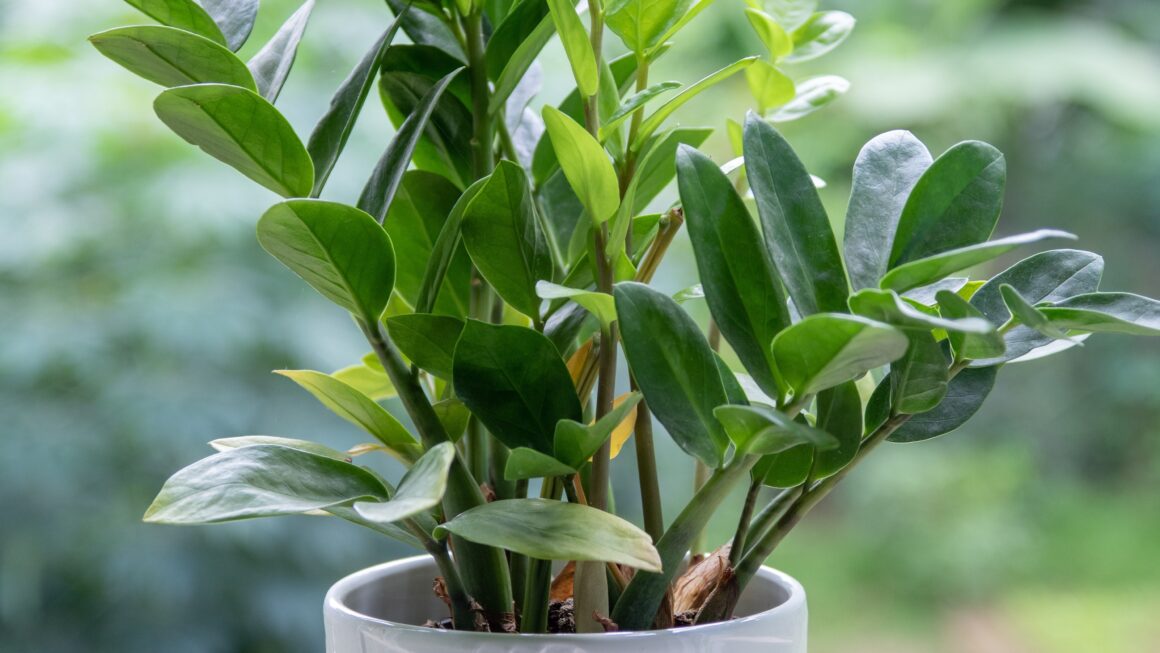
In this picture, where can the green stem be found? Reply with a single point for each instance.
(539, 578)
(769, 515)
(461, 612)
(743, 523)
(646, 468)
(481, 135)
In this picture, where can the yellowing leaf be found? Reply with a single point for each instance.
(623, 431)
(578, 360)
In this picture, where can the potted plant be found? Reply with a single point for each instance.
(497, 263)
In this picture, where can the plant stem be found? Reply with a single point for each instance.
(670, 224)
(646, 468)
(738, 546)
(480, 95)
(539, 578)
(461, 613)
(769, 515)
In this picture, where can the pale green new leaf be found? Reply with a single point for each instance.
(654, 121)
(585, 164)
(968, 346)
(524, 463)
(597, 303)
(575, 40)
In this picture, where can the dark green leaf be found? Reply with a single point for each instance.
(574, 443)
(513, 379)
(1107, 312)
(235, 18)
(763, 430)
(240, 128)
(919, 379)
(825, 350)
(886, 170)
(797, 232)
(823, 32)
(337, 249)
(427, 340)
(517, 28)
(789, 468)
(968, 346)
(420, 490)
(554, 530)
(426, 28)
(733, 388)
(839, 413)
(886, 306)
(740, 284)
(675, 368)
(964, 397)
(440, 262)
(172, 57)
(259, 481)
(272, 64)
(182, 14)
(445, 146)
(658, 167)
(524, 463)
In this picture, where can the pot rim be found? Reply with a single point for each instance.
(335, 601)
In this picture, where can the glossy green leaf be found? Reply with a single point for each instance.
(585, 164)
(658, 117)
(1027, 314)
(770, 87)
(513, 379)
(259, 481)
(797, 232)
(675, 368)
(182, 14)
(337, 249)
(504, 238)
(554, 530)
(226, 444)
(839, 413)
(886, 306)
(271, 65)
(445, 145)
(955, 203)
(597, 303)
(740, 284)
(420, 490)
(787, 469)
(454, 416)
(812, 94)
(968, 346)
(347, 512)
(918, 380)
(776, 39)
(513, 64)
(1106, 312)
(642, 23)
(575, 40)
(442, 257)
(368, 377)
(658, 166)
(762, 430)
(427, 340)
(380, 189)
(524, 463)
(425, 27)
(235, 18)
(923, 271)
(356, 408)
(574, 443)
(1045, 277)
(333, 130)
(823, 32)
(965, 395)
(172, 57)
(632, 103)
(240, 128)
(886, 170)
(827, 349)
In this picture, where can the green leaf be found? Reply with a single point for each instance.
(968, 346)
(333, 130)
(454, 416)
(420, 490)
(1106, 312)
(826, 349)
(839, 413)
(503, 237)
(740, 283)
(1045, 277)
(812, 94)
(271, 65)
(658, 167)
(823, 32)
(510, 55)
(554, 530)
(235, 18)
(259, 481)
(337, 249)
(227, 444)
(597, 303)
(380, 189)
(358, 409)
(172, 57)
(574, 443)
(524, 463)
(427, 340)
(585, 164)
(642, 23)
(445, 146)
(369, 378)
(923, 271)
(1030, 316)
(632, 103)
(797, 232)
(513, 379)
(762, 430)
(886, 170)
(182, 14)
(654, 121)
(919, 379)
(773, 35)
(964, 397)
(769, 86)
(675, 368)
(886, 306)
(575, 40)
(240, 128)
(924, 296)
(427, 25)
(954, 204)
(791, 14)
(662, 43)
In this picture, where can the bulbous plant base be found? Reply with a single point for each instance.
(377, 610)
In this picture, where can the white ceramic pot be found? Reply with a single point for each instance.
(377, 610)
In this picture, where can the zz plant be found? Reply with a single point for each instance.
(497, 262)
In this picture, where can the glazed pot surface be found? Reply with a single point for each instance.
(376, 611)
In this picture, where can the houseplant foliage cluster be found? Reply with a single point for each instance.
(497, 263)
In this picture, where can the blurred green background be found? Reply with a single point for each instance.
(140, 319)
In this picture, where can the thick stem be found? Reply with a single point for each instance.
(461, 613)
(670, 224)
(769, 515)
(743, 523)
(539, 578)
(481, 135)
(646, 468)
(701, 473)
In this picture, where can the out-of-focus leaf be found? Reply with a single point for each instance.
(791, 14)
(420, 490)
(642, 23)
(776, 39)
(271, 65)
(172, 57)
(823, 32)
(1107, 312)
(235, 18)
(658, 117)
(812, 94)
(770, 87)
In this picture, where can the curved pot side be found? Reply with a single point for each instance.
(374, 611)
